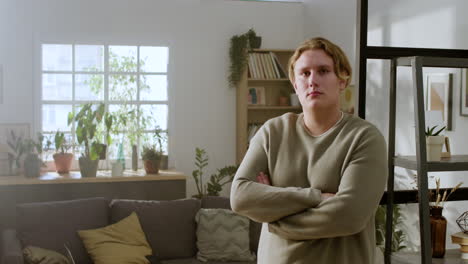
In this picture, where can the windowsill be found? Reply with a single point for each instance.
(102, 176)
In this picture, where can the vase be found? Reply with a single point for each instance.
(438, 232)
(134, 158)
(434, 147)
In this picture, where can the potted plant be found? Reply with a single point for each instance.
(434, 143)
(215, 185)
(33, 162)
(238, 54)
(151, 159)
(87, 121)
(62, 158)
(15, 143)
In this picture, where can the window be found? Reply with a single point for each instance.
(130, 80)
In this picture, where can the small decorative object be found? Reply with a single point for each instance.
(283, 99)
(62, 158)
(438, 221)
(134, 158)
(120, 155)
(438, 231)
(217, 181)
(117, 169)
(294, 99)
(434, 143)
(462, 222)
(461, 239)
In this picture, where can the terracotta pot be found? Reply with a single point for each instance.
(63, 162)
(152, 166)
(283, 101)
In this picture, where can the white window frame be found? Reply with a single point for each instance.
(106, 73)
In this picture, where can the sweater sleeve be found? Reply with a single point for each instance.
(264, 203)
(349, 211)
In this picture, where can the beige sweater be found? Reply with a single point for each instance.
(350, 159)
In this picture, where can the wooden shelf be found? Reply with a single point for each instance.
(454, 163)
(411, 196)
(268, 107)
(452, 256)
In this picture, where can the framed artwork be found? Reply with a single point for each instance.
(347, 100)
(464, 93)
(256, 96)
(439, 90)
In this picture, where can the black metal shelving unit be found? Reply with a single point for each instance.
(415, 58)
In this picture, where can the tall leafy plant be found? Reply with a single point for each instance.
(398, 237)
(87, 121)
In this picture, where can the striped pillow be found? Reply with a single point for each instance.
(222, 235)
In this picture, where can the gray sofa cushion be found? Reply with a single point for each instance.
(169, 225)
(51, 224)
(195, 261)
(223, 202)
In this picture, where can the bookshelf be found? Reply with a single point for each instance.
(267, 75)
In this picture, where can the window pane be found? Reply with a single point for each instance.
(126, 118)
(154, 115)
(154, 59)
(56, 87)
(122, 58)
(56, 57)
(89, 58)
(54, 117)
(89, 87)
(153, 87)
(122, 87)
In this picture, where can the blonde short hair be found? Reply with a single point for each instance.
(341, 64)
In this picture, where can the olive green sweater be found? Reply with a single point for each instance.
(349, 159)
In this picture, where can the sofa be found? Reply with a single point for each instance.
(169, 227)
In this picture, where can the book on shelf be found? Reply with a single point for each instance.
(281, 70)
(256, 96)
(260, 67)
(253, 67)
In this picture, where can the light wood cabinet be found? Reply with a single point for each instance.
(271, 87)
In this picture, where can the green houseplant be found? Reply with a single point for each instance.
(151, 157)
(434, 142)
(33, 162)
(62, 158)
(87, 121)
(238, 54)
(216, 182)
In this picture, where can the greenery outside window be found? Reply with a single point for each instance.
(130, 80)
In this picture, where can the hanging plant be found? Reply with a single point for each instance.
(238, 53)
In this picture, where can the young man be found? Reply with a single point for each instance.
(320, 173)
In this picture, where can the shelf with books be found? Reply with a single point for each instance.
(258, 93)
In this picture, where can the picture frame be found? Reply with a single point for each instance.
(464, 93)
(256, 96)
(439, 91)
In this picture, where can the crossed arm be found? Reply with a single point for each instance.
(302, 213)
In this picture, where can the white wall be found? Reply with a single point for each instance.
(425, 24)
(334, 20)
(202, 110)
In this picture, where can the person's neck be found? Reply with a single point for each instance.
(319, 122)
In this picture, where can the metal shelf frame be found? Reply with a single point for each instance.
(401, 56)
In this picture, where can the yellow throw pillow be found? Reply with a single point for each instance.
(123, 242)
(37, 255)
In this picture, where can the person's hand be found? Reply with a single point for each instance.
(326, 196)
(263, 178)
